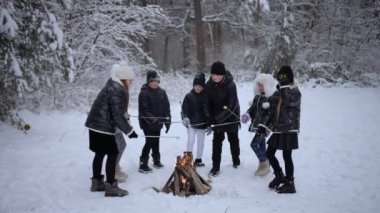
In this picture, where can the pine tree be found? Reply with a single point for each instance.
(34, 56)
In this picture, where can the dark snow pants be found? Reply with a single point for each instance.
(151, 143)
(217, 145)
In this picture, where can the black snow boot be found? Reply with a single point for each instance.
(157, 161)
(144, 168)
(97, 184)
(287, 187)
(278, 179)
(235, 162)
(215, 171)
(198, 163)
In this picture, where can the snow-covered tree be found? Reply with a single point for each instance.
(102, 32)
(282, 46)
(34, 56)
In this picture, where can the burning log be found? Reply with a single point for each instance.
(185, 180)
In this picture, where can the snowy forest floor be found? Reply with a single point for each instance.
(336, 167)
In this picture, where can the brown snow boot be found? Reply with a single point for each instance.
(112, 190)
(263, 168)
(120, 175)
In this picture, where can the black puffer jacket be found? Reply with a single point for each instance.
(258, 112)
(108, 111)
(220, 95)
(285, 110)
(154, 107)
(195, 108)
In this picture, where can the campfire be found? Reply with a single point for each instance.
(185, 180)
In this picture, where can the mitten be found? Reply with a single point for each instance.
(245, 118)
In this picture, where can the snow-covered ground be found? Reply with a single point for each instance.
(336, 168)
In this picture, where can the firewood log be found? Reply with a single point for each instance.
(166, 186)
(176, 184)
(183, 172)
(197, 184)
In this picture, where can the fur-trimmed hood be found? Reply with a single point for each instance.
(269, 84)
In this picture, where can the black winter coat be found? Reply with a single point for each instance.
(257, 112)
(108, 111)
(285, 110)
(220, 95)
(195, 108)
(154, 107)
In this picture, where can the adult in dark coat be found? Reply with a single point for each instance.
(284, 117)
(106, 118)
(224, 111)
(154, 113)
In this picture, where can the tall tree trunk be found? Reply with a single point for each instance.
(166, 52)
(217, 37)
(186, 52)
(201, 56)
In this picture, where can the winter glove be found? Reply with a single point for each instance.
(133, 135)
(278, 87)
(208, 130)
(245, 118)
(127, 116)
(186, 122)
(167, 125)
(262, 131)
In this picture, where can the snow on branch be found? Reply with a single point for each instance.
(7, 24)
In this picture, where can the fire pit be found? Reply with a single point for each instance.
(185, 181)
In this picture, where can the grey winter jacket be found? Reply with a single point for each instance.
(108, 111)
(285, 110)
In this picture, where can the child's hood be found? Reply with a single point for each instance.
(269, 84)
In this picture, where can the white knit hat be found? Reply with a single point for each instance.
(122, 71)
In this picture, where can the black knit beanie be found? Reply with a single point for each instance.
(199, 79)
(285, 75)
(218, 68)
(152, 76)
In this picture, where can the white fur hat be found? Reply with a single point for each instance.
(122, 71)
(267, 81)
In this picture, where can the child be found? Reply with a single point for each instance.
(264, 86)
(195, 116)
(154, 112)
(285, 118)
(105, 119)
